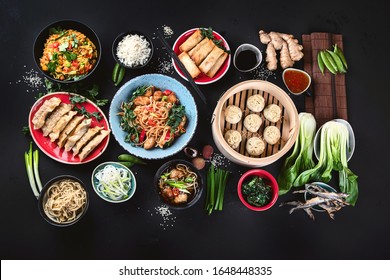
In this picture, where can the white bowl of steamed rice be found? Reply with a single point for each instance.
(63, 201)
(132, 49)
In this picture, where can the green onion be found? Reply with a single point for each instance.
(30, 167)
(36, 170)
(215, 192)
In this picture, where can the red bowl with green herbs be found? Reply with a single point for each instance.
(258, 190)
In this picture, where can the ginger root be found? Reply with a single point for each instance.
(272, 61)
(285, 58)
(289, 47)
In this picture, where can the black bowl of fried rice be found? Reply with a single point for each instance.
(67, 51)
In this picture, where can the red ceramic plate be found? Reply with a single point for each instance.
(50, 148)
(202, 79)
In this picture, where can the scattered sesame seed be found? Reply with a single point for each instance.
(166, 214)
(168, 32)
(219, 160)
(31, 79)
(262, 73)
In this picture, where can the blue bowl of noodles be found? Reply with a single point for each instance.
(162, 82)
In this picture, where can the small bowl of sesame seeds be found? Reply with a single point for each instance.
(132, 49)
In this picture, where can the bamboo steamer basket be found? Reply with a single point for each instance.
(288, 124)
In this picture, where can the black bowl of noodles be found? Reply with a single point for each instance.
(63, 201)
(179, 184)
(67, 51)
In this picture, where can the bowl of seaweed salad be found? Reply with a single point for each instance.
(258, 189)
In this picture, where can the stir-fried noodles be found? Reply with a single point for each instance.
(153, 118)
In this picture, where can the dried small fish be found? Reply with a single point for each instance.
(329, 201)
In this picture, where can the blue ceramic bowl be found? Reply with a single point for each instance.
(163, 82)
(95, 181)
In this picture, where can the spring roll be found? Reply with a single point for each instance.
(189, 64)
(201, 50)
(211, 59)
(191, 41)
(217, 65)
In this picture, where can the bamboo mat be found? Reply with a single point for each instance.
(329, 100)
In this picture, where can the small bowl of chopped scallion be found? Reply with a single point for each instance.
(113, 182)
(258, 190)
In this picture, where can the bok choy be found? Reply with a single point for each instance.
(333, 157)
(301, 158)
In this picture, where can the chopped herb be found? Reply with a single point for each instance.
(70, 56)
(176, 116)
(26, 130)
(208, 33)
(77, 99)
(90, 93)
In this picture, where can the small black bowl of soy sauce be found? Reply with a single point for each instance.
(247, 57)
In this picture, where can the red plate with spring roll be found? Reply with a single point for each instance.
(196, 51)
(69, 133)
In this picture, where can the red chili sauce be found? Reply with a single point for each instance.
(296, 81)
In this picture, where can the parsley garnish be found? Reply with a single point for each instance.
(209, 34)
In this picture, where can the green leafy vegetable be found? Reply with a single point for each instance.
(301, 158)
(79, 100)
(208, 33)
(176, 116)
(87, 91)
(333, 157)
(257, 192)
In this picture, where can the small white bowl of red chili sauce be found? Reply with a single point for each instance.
(297, 81)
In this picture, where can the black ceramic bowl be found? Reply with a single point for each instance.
(43, 197)
(120, 37)
(44, 34)
(166, 167)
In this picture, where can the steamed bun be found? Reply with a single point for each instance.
(255, 146)
(233, 114)
(255, 103)
(233, 138)
(271, 134)
(252, 122)
(273, 113)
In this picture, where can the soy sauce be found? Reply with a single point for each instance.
(246, 60)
